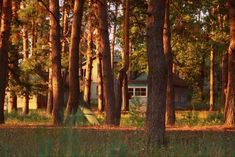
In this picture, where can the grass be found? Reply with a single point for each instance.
(135, 118)
(75, 142)
(34, 117)
(20, 141)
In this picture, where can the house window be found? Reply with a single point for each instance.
(140, 92)
(131, 91)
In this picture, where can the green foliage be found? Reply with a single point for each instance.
(32, 117)
(192, 119)
(135, 117)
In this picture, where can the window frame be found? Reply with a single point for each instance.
(138, 87)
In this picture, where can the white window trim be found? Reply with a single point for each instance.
(134, 87)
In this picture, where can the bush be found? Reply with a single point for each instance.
(192, 119)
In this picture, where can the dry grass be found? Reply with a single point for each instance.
(105, 141)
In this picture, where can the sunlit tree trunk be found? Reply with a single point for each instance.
(1, 1)
(157, 75)
(114, 35)
(230, 97)
(126, 38)
(104, 49)
(50, 93)
(65, 26)
(212, 79)
(170, 104)
(57, 112)
(122, 90)
(100, 84)
(33, 34)
(100, 76)
(87, 88)
(74, 88)
(25, 108)
(4, 48)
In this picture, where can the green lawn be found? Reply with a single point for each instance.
(32, 135)
(50, 141)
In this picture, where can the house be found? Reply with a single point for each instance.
(137, 88)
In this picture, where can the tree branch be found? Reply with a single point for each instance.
(46, 7)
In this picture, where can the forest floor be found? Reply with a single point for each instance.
(194, 134)
(48, 140)
(214, 128)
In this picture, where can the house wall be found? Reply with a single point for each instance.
(181, 97)
(181, 93)
(20, 102)
(138, 100)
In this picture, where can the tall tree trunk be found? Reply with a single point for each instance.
(33, 34)
(65, 26)
(13, 103)
(230, 97)
(104, 49)
(4, 48)
(170, 104)
(224, 77)
(14, 62)
(126, 37)
(57, 113)
(202, 77)
(74, 88)
(87, 88)
(1, 1)
(125, 97)
(25, 108)
(100, 84)
(50, 93)
(114, 35)
(122, 90)
(212, 79)
(157, 75)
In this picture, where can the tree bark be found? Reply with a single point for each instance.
(87, 88)
(34, 29)
(170, 104)
(212, 79)
(104, 49)
(4, 48)
(157, 76)
(13, 102)
(57, 113)
(224, 77)
(230, 97)
(65, 26)
(202, 78)
(1, 1)
(100, 84)
(50, 93)
(74, 88)
(122, 90)
(125, 98)
(25, 109)
(126, 37)
(114, 35)
(15, 59)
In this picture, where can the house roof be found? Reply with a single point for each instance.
(142, 80)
